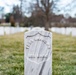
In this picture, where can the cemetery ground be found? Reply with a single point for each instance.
(12, 54)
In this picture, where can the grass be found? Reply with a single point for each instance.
(12, 54)
(64, 55)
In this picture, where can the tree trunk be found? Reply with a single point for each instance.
(47, 26)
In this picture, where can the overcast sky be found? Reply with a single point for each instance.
(7, 4)
(65, 6)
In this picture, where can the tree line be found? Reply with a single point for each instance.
(41, 13)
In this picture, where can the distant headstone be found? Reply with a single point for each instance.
(38, 52)
(1, 30)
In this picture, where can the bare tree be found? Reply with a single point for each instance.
(16, 11)
(46, 7)
(40, 6)
(22, 8)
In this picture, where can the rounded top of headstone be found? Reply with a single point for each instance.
(38, 29)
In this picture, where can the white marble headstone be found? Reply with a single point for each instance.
(38, 52)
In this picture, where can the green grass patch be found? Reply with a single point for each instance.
(11, 54)
(64, 55)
